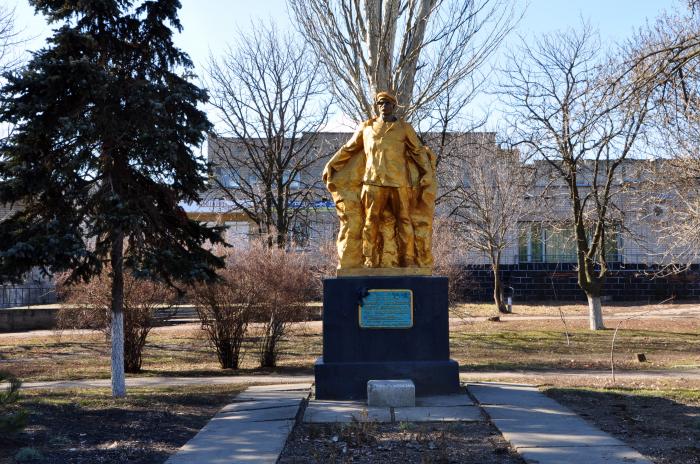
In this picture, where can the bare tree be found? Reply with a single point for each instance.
(268, 95)
(666, 55)
(489, 204)
(10, 55)
(572, 108)
(418, 49)
(10, 39)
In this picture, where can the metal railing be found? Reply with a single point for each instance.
(24, 295)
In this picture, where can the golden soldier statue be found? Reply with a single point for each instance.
(383, 184)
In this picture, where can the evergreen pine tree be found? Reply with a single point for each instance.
(105, 121)
(12, 417)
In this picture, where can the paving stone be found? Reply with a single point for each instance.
(267, 404)
(587, 455)
(445, 400)
(225, 440)
(282, 387)
(533, 428)
(264, 414)
(438, 414)
(344, 411)
(511, 394)
(272, 395)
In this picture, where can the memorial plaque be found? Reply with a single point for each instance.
(387, 309)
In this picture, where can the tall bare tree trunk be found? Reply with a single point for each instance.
(411, 53)
(381, 35)
(497, 285)
(595, 313)
(117, 256)
(592, 286)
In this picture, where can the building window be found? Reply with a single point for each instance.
(226, 177)
(547, 243)
(295, 183)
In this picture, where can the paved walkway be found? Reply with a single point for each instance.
(253, 428)
(689, 374)
(175, 381)
(545, 432)
(256, 425)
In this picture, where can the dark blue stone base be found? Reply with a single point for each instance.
(352, 355)
(348, 381)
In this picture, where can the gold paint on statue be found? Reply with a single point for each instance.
(384, 186)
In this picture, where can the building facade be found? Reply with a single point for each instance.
(539, 261)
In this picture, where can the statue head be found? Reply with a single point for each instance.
(385, 104)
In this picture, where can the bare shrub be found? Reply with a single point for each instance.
(88, 306)
(449, 257)
(285, 283)
(224, 309)
(326, 259)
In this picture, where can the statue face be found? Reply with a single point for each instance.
(385, 108)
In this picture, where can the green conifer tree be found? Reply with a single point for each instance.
(13, 418)
(101, 154)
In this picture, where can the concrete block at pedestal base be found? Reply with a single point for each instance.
(391, 393)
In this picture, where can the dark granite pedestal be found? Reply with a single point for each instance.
(352, 355)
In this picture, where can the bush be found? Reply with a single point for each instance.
(224, 310)
(287, 284)
(12, 417)
(268, 286)
(89, 306)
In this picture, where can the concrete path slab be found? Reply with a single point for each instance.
(287, 387)
(533, 428)
(226, 441)
(271, 395)
(461, 399)
(262, 415)
(438, 414)
(511, 394)
(252, 405)
(588, 455)
(544, 432)
(254, 428)
(319, 411)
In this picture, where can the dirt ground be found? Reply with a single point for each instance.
(369, 443)
(88, 426)
(664, 426)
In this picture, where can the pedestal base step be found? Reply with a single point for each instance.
(348, 381)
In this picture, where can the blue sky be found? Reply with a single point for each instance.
(210, 24)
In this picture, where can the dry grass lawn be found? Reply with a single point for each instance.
(478, 345)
